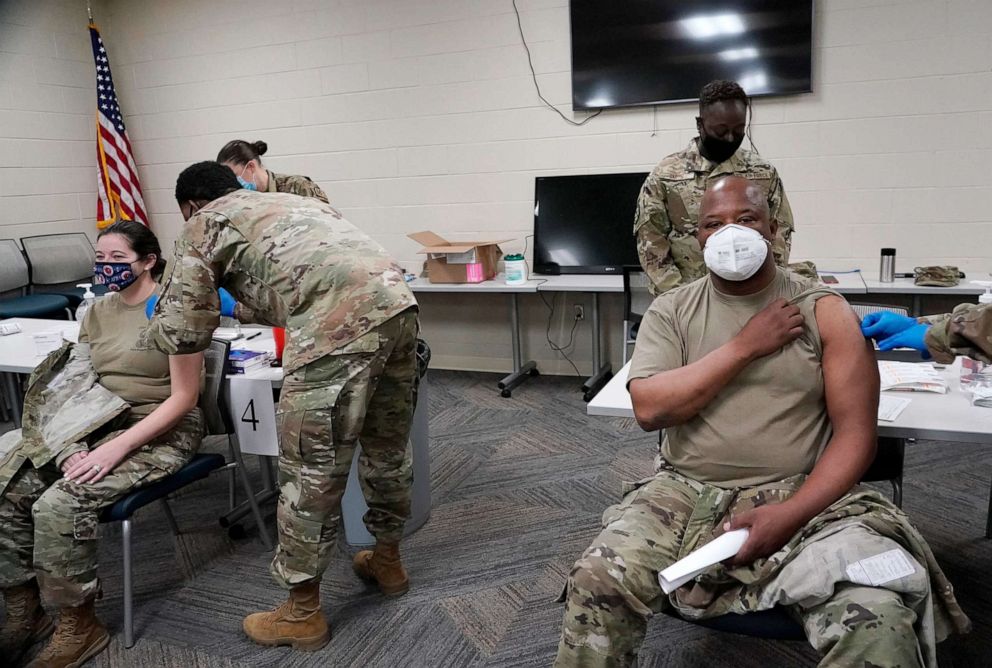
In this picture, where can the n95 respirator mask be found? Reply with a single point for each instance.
(735, 252)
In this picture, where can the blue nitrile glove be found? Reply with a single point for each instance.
(227, 303)
(883, 324)
(150, 306)
(908, 338)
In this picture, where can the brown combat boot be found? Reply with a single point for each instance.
(26, 621)
(299, 622)
(383, 566)
(78, 637)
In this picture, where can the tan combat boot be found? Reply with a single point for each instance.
(383, 566)
(299, 622)
(78, 637)
(26, 621)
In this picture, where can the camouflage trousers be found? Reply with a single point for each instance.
(48, 525)
(613, 591)
(364, 392)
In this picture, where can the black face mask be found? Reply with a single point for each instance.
(716, 149)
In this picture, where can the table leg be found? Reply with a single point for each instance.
(601, 372)
(917, 306)
(521, 370)
(14, 391)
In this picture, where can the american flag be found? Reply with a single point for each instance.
(118, 190)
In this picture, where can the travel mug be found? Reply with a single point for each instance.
(887, 266)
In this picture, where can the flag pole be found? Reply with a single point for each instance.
(89, 11)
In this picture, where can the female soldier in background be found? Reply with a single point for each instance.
(245, 161)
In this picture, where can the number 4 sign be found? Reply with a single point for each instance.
(254, 415)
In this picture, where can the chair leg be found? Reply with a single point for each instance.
(232, 492)
(988, 517)
(128, 592)
(623, 344)
(4, 415)
(167, 509)
(252, 501)
(897, 491)
(14, 395)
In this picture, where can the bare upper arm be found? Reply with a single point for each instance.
(850, 372)
(184, 372)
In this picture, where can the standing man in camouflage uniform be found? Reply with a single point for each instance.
(965, 331)
(349, 364)
(667, 209)
(768, 397)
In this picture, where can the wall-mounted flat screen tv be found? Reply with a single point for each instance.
(585, 224)
(646, 52)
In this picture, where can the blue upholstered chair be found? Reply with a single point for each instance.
(58, 262)
(14, 276)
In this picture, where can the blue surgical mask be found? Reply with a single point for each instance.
(115, 275)
(247, 185)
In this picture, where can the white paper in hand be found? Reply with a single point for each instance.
(685, 569)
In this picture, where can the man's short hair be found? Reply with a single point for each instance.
(206, 180)
(721, 90)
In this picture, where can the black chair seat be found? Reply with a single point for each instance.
(74, 295)
(774, 624)
(889, 458)
(197, 468)
(33, 306)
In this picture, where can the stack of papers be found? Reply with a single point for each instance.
(720, 548)
(911, 377)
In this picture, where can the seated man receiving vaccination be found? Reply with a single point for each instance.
(768, 396)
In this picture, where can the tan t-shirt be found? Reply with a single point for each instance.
(770, 421)
(137, 375)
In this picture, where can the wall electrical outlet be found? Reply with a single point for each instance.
(580, 311)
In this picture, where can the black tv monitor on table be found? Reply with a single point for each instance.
(585, 224)
(646, 52)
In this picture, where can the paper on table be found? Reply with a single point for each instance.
(227, 333)
(910, 376)
(685, 569)
(890, 407)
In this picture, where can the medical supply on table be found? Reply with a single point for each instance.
(910, 377)
(985, 297)
(46, 342)
(890, 407)
(516, 269)
(88, 300)
(8, 328)
(887, 266)
(279, 336)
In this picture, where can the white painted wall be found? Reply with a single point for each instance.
(416, 114)
(47, 97)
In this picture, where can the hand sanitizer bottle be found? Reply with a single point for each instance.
(88, 300)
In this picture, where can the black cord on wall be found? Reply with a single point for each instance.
(533, 75)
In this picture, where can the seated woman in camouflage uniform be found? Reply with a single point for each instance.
(49, 514)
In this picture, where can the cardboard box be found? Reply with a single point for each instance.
(458, 261)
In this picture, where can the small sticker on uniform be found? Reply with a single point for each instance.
(882, 568)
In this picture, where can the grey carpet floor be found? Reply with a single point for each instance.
(518, 489)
